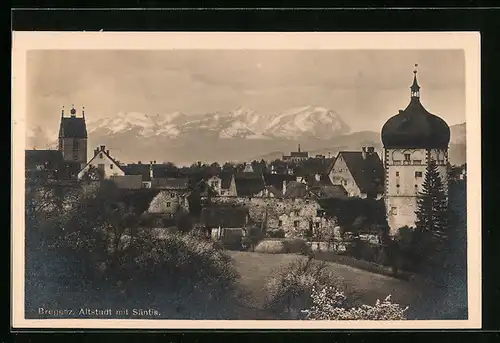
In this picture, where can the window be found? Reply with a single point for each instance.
(397, 173)
(407, 157)
(418, 174)
(100, 166)
(397, 185)
(417, 162)
(168, 204)
(296, 224)
(280, 223)
(397, 162)
(100, 155)
(345, 183)
(110, 166)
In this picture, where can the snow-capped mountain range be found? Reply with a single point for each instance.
(238, 135)
(312, 121)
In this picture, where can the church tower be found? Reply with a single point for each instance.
(411, 139)
(73, 137)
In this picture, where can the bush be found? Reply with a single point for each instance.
(271, 247)
(330, 304)
(289, 289)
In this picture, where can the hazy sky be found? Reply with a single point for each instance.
(364, 87)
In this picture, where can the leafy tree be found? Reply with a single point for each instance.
(432, 216)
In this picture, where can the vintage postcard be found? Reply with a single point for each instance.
(246, 180)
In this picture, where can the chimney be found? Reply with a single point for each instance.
(96, 151)
(370, 150)
(103, 147)
(363, 152)
(284, 187)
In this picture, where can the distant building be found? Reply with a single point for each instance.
(106, 164)
(361, 173)
(296, 156)
(223, 184)
(411, 139)
(73, 137)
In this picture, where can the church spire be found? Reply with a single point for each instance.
(83, 112)
(415, 88)
(62, 112)
(298, 148)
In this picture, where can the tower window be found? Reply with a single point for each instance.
(418, 174)
(110, 166)
(407, 157)
(100, 155)
(397, 173)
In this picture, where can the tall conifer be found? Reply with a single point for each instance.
(432, 214)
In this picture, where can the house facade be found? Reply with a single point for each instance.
(223, 184)
(103, 161)
(361, 173)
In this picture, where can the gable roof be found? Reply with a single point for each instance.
(276, 180)
(137, 169)
(73, 127)
(226, 178)
(332, 191)
(170, 183)
(224, 216)
(368, 172)
(296, 189)
(248, 183)
(105, 152)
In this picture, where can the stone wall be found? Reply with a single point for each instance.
(294, 216)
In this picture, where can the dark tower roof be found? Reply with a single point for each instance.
(72, 127)
(415, 127)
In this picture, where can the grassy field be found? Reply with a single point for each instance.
(424, 300)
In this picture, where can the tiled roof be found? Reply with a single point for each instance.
(73, 127)
(296, 189)
(127, 181)
(224, 216)
(276, 180)
(332, 191)
(368, 173)
(226, 178)
(138, 169)
(248, 183)
(170, 183)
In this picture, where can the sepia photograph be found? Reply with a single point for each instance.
(297, 179)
